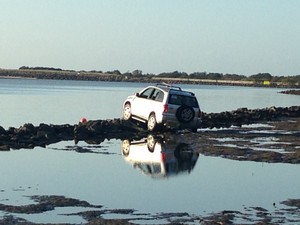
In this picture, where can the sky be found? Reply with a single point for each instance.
(243, 37)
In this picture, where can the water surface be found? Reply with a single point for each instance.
(105, 177)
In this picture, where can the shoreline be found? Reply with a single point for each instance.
(109, 77)
(13, 78)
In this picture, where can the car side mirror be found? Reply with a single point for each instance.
(137, 94)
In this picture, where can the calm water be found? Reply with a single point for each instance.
(107, 178)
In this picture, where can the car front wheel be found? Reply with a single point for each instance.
(127, 112)
(151, 124)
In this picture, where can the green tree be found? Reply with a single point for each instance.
(261, 77)
(137, 73)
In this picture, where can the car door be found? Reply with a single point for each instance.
(156, 105)
(141, 106)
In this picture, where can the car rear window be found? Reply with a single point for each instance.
(175, 99)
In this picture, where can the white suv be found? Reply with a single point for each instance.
(164, 105)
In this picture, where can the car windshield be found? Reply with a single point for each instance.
(175, 99)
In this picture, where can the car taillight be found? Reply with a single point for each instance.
(199, 113)
(163, 157)
(165, 108)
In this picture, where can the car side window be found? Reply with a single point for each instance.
(175, 100)
(183, 100)
(157, 95)
(160, 96)
(147, 93)
(190, 101)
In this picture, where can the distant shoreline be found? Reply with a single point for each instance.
(101, 76)
(11, 77)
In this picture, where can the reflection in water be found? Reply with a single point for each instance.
(159, 158)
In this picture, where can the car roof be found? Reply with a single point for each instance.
(173, 89)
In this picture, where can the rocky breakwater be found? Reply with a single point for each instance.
(291, 92)
(93, 131)
(96, 131)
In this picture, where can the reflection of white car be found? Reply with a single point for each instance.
(164, 105)
(158, 159)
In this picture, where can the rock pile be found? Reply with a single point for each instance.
(96, 131)
(247, 116)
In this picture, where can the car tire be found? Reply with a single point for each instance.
(151, 123)
(151, 142)
(127, 111)
(185, 114)
(125, 147)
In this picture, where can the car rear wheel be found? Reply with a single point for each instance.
(127, 111)
(185, 114)
(151, 124)
(151, 142)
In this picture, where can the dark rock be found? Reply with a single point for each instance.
(2, 131)
(27, 128)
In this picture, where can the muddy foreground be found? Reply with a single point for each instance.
(274, 141)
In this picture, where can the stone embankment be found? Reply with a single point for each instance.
(96, 131)
(291, 92)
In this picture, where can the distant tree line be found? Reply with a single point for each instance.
(257, 78)
(39, 68)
